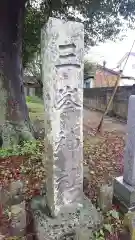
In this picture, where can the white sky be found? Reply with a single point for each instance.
(112, 52)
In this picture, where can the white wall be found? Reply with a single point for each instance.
(126, 82)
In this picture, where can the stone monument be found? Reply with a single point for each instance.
(62, 57)
(71, 214)
(124, 186)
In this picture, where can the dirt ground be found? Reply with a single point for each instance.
(92, 118)
(103, 155)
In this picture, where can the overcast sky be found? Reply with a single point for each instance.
(112, 52)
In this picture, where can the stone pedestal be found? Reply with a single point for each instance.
(124, 186)
(76, 223)
(125, 194)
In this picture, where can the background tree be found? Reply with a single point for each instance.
(33, 68)
(102, 20)
(20, 24)
(90, 68)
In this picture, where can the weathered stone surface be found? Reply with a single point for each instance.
(64, 213)
(105, 196)
(16, 190)
(18, 219)
(77, 225)
(124, 193)
(62, 71)
(129, 157)
(38, 203)
(129, 222)
(124, 186)
(16, 187)
(12, 132)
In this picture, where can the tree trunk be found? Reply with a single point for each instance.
(14, 117)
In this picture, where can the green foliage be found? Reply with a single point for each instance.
(27, 148)
(36, 108)
(114, 214)
(30, 169)
(33, 99)
(34, 20)
(99, 235)
(108, 227)
(89, 68)
(112, 222)
(14, 238)
(102, 20)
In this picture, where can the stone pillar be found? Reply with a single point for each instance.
(68, 214)
(62, 58)
(124, 186)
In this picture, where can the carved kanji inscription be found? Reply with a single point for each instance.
(62, 74)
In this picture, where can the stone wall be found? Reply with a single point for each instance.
(97, 98)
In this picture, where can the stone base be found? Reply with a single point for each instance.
(78, 225)
(124, 194)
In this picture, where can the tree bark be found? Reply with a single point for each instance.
(14, 117)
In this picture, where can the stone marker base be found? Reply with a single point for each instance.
(128, 223)
(124, 194)
(76, 225)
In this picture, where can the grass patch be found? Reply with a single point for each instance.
(35, 107)
(36, 111)
(34, 99)
(28, 148)
(35, 116)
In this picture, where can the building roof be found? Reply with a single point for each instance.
(117, 72)
(30, 79)
(108, 70)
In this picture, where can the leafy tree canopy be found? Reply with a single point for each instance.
(89, 68)
(102, 19)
